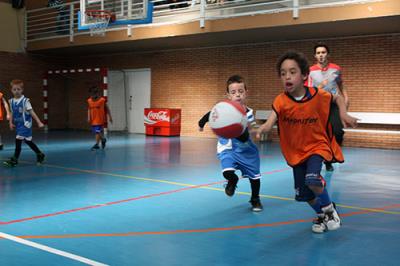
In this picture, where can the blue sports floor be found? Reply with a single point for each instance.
(160, 201)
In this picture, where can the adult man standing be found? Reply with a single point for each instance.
(328, 76)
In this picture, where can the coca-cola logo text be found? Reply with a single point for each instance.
(158, 116)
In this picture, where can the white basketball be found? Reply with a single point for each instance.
(228, 119)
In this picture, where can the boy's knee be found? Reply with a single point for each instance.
(316, 189)
(230, 175)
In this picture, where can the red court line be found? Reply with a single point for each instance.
(120, 201)
(206, 230)
(276, 171)
(108, 203)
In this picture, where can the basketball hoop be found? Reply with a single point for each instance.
(98, 21)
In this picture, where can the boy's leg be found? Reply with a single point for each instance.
(1, 143)
(39, 154)
(232, 182)
(322, 204)
(13, 161)
(103, 139)
(255, 195)
(96, 130)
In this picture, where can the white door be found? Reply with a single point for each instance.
(138, 95)
(116, 100)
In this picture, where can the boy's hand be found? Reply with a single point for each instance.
(8, 117)
(12, 126)
(349, 121)
(256, 132)
(111, 120)
(40, 124)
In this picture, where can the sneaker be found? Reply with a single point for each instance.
(332, 218)
(230, 187)
(1, 147)
(319, 225)
(103, 143)
(95, 147)
(11, 162)
(329, 167)
(256, 205)
(40, 158)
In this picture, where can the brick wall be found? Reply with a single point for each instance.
(29, 69)
(194, 79)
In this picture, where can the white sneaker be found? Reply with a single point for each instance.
(332, 219)
(319, 225)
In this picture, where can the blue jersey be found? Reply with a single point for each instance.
(22, 119)
(237, 155)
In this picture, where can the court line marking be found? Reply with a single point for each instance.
(187, 187)
(51, 250)
(206, 230)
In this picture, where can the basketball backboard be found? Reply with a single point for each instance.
(127, 12)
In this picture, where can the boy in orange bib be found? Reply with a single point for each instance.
(306, 138)
(98, 112)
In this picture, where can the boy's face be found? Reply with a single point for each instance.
(237, 92)
(321, 54)
(291, 76)
(17, 90)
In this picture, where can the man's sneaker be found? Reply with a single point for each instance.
(319, 225)
(95, 147)
(332, 218)
(11, 162)
(40, 158)
(103, 143)
(256, 205)
(1, 147)
(230, 187)
(329, 167)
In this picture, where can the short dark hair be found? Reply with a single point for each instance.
(321, 44)
(300, 59)
(93, 89)
(234, 79)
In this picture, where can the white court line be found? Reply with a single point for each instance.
(51, 250)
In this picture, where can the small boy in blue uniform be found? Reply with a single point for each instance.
(239, 153)
(21, 119)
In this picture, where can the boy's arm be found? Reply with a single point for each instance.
(5, 103)
(108, 113)
(203, 121)
(10, 122)
(267, 126)
(34, 115)
(347, 120)
(88, 115)
(343, 91)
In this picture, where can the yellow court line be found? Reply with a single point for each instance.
(208, 188)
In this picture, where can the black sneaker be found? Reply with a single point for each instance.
(11, 162)
(1, 147)
(95, 147)
(230, 187)
(256, 205)
(40, 158)
(103, 143)
(329, 167)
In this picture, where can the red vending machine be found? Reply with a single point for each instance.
(162, 121)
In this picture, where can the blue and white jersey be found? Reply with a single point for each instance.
(226, 144)
(22, 118)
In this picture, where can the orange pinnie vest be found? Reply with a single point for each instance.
(97, 109)
(304, 127)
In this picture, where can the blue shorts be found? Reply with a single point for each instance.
(97, 129)
(306, 174)
(243, 156)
